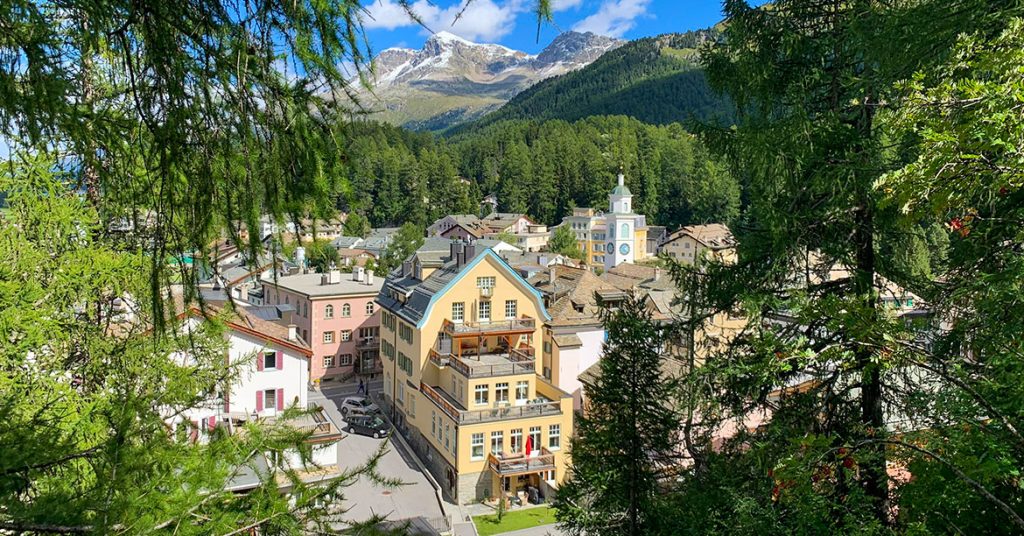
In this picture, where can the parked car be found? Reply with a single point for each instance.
(358, 405)
(368, 425)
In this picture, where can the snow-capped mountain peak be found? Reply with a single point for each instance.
(480, 76)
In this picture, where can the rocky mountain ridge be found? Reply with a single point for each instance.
(452, 80)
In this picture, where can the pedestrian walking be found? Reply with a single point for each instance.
(362, 387)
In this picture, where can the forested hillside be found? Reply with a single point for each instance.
(656, 80)
(542, 168)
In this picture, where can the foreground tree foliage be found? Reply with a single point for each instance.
(187, 119)
(88, 385)
(626, 437)
(865, 125)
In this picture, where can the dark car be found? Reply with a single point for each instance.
(368, 425)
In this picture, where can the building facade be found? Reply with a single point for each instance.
(692, 243)
(612, 238)
(337, 314)
(462, 376)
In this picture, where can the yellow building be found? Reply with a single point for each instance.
(461, 374)
(612, 238)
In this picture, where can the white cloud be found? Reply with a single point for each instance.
(483, 20)
(614, 18)
(386, 14)
(562, 5)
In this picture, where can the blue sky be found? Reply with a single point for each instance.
(511, 23)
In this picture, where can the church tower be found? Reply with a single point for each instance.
(621, 224)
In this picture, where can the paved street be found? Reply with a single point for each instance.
(415, 499)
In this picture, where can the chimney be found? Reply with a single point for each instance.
(357, 273)
(453, 250)
(293, 334)
(369, 277)
(470, 251)
(552, 277)
(333, 275)
(657, 273)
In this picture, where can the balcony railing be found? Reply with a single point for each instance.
(518, 361)
(467, 329)
(368, 343)
(519, 463)
(461, 416)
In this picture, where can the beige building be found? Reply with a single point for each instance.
(462, 378)
(691, 243)
(612, 238)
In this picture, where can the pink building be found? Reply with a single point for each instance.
(336, 315)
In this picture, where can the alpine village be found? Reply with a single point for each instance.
(521, 267)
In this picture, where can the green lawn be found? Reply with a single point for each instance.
(515, 520)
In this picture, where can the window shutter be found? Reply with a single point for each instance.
(211, 423)
(227, 403)
(259, 401)
(193, 434)
(280, 399)
(279, 360)
(259, 361)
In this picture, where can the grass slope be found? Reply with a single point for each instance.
(515, 520)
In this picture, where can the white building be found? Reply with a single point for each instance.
(272, 366)
(622, 225)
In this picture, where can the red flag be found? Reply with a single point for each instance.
(529, 445)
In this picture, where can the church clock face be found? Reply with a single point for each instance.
(624, 249)
(611, 247)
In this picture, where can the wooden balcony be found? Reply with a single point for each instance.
(521, 326)
(519, 464)
(463, 416)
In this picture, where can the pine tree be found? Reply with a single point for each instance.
(625, 436)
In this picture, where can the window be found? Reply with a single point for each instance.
(497, 442)
(405, 363)
(269, 360)
(369, 333)
(547, 347)
(329, 311)
(501, 392)
(387, 349)
(433, 422)
(511, 309)
(270, 398)
(328, 336)
(480, 392)
(522, 391)
(345, 360)
(405, 332)
(328, 361)
(401, 392)
(346, 310)
(554, 436)
(458, 311)
(485, 311)
(515, 443)
(369, 309)
(486, 282)
(535, 438)
(476, 446)
(447, 435)
(346, 335)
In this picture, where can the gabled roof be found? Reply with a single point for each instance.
(713, 235)
(240, 319)
(421, 295)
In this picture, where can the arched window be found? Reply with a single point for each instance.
(369, 309)
(329, 311)
(346, 310)
(624, 231)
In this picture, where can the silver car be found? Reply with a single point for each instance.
(358, 405)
